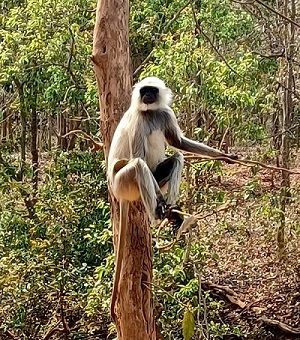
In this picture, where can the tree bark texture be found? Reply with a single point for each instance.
(287, 114)
(112, 68)
(34, 149)
(23, 118)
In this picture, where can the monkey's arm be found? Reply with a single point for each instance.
(175, 138)
(189, 145)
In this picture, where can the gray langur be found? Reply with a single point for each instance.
(137, 164)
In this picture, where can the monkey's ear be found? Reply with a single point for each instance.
(168, 95)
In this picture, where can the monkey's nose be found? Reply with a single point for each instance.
(148, 99)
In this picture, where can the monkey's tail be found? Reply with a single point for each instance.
(124, 207)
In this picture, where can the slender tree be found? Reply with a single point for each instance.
(112, 68)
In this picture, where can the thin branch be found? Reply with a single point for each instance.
(96, 145)
(244, 162)
(282, 54)
(277, 13)
(296, 94)
(10, 335)
(270, 56)
(52, 331)
(71, 51)
(223, 138)
(7, 117)
(188, 222)
(201, 301)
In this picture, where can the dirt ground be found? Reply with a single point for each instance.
(261, 287)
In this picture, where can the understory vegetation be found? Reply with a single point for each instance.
(234, 71)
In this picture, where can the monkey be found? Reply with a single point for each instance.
(137, 167)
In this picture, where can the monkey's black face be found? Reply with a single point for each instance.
(149, 94)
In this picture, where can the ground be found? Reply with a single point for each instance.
(246, 257)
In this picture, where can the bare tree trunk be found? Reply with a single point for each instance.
(112, 67)
(63, 131)
(58, 127)
(23, 114)
(34, 149)
(289, 40)
(4, 126)
(50, 133)
(9, 128)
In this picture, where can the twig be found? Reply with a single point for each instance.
(269, 56)
(244, 162)
(96, 145)
(7, 117)
(149, 284)
(224, 136)
(202, 300)
(10, 335)
(71, 51)
(190, 220)
(52, 331)
(278, 13)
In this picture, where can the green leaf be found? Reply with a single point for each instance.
(188, 324)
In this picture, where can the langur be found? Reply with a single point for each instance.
(137, 165)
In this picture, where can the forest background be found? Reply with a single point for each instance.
(234, 69)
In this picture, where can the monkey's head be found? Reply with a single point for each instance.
(151, 94)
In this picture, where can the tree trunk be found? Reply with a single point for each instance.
(112, 68)
(49, 132)
(63, 131)
(58, 126)
(4, 126)
(289, 40)
(9, 129)
(23, 118)
(34, 149)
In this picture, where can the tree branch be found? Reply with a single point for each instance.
(96, 145)
(277, 13)
(244, 162)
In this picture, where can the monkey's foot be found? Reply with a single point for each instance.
(174, 218)
(161, 209)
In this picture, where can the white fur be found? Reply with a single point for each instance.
(164, 99)
(156, 141)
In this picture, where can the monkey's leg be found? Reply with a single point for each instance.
(135, 180)
(169, 172)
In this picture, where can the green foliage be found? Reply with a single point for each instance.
(235, 92)
(45, 50)
(62, 249)
(222, 89)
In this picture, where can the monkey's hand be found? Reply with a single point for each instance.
(229, 157)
